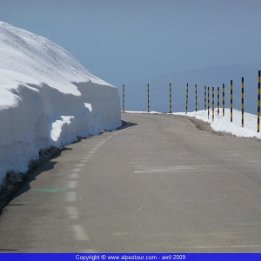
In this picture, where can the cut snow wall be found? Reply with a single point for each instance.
(47, 98)
(45, 117)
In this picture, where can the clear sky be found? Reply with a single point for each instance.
(137, 40)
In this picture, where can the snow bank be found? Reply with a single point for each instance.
(144, 112)
(223, 124)
(47, 98)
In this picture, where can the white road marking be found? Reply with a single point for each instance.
(139, 162)
(80, 165)
(70, 196)
(74, 176)
(72, 184)
(76, 170)
(163, 169)
(117, 234)
(72, 212)
(254, 162)
(80, 233)
(234, 155)
(94, 150)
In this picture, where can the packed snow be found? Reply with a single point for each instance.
(223, 124)
(220, 123)
(144, 112)
(47, 98)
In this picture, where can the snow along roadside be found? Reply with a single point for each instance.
(47, 99)
(222, 124)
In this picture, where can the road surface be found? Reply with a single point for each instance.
(160, 185)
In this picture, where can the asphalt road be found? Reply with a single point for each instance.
(160, 185)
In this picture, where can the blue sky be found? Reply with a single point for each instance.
(134, 41)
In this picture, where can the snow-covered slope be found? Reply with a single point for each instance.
(47, 98)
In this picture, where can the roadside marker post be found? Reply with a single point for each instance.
(205, 97)
(223, 99)
(196, 97)
(123, 98)
(218, 94)
(187, 99)
(231, 101)
(208, 102)
(170, 98)
(213, 104)
(258, 101)
(148, 90)
(243, 102)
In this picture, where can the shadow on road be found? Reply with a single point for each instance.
(13, 191)
(126, 124)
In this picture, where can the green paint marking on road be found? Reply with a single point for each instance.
(51, 190)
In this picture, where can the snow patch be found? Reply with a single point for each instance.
(220, 123)
(144, 112)
(88, 106)
(58, 127)
(223, 124)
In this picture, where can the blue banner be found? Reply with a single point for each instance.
(130, 257)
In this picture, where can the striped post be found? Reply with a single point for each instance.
(258, 102)
(205, 97)
(148, 97)
(243, 102)
(218, 99)
(231, 101)
(123, 98)
(170, 98)
(223, 99)
(208, 102)
(187, 99)
(196, 97)
(213, 103)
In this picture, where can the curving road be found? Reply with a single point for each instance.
(159, 185)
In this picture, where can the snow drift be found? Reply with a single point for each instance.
(47, 98)
(223, 124)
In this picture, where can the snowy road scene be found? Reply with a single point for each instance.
(130, 127)
(162, 185)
